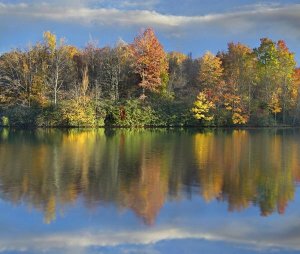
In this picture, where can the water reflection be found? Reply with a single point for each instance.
(140, 170)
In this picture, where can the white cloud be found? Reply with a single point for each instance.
(146, 4)
(254, 17)
(240, 234)
(118, 18)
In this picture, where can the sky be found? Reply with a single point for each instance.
(188, 26)
(185, 226)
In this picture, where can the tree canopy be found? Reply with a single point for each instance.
(52, 83)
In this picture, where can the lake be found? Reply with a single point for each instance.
(150, 191)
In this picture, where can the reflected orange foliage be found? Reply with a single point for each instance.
(140, 171)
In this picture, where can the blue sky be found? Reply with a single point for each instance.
(187, 26)
(185, 226)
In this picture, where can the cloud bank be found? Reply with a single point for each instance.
(241, 234)
(276, 17)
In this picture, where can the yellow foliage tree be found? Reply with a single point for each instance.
(211, 71)
(50, 41)
(274, 105)
(203, 107)
(233, 104)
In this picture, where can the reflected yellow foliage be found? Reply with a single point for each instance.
(244, 169)
(50, 209)
(140, 170)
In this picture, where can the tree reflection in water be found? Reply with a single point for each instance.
(141, 169)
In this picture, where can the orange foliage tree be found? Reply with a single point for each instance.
(150, 61)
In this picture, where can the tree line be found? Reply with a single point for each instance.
(53, 83)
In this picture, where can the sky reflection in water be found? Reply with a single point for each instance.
(152, 191)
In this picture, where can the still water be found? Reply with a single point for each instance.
(150, 191)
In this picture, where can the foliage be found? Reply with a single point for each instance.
(71, 113)
(4, 121)
(150, 61)
(203, 108)
(211, 71)
(75, 113)
(132, 112)
(170, 112)
(55, 84)
(140, 170)
(21, 116)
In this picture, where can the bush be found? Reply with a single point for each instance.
(170, 112)
(262, 117)
(4, 121)
(50, 117)
(131, 113)
(71, 113)
(21, 116)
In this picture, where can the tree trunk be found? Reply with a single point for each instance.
(56, 86)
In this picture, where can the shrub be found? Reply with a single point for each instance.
(131, 113)
(78, 114)
(170, 112)
(4, 121)
(71, 113)
(21, 116)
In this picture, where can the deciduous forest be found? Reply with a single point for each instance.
(138, 84)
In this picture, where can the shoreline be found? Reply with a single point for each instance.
(152, 127)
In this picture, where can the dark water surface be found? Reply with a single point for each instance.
(150, 191)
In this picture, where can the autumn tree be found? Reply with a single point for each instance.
(296, 83)
(239, 75)
(51, 79)
(22, 76)
(203, 108)
(211, 80)
(177, 77)
(90, 57)
(150, 61)
(183, 76)
(126, 70)
(275, 105)
(267, 69)
(275, 68)
(60, 64)
(110, 71)
(211, 75)
(211, 71)
(287, 65)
